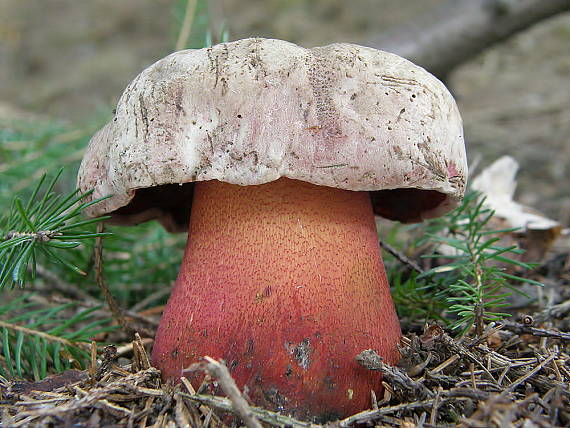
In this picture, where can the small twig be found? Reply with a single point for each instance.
(369, 416)
(399, 381)
(93, 366)
(435, 406)
(182, 415)
(145, 412)
(473, 380)
(556, 369)
(192, 391)
(557, 311)
(125, 349)
(266, 416)
(140, 357)
(39, 236)
(401, 257)
(208, 419)
(373, 400)
(455, 347)
(239, 404)
(529, 374)
(100, 280)
(419, 368)
(46, 336)
(446, 396)
(489, 331)
(504, 374)
(539, 332)
(444, 364)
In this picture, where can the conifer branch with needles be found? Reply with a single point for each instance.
(43, 225)
(35, 341)
(474, 286)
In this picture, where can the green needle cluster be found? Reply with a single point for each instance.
(45, 223)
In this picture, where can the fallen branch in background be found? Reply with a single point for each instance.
(458, 30)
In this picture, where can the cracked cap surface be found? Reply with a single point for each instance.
(255, 110)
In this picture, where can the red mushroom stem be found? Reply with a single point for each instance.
(285, 282)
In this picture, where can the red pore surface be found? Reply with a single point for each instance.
(285, 282)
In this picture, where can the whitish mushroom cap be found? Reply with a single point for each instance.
(254, 110)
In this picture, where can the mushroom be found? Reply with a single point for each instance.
(283, 155)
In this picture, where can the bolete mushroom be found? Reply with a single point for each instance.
(283, 155)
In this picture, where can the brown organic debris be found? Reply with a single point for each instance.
(489, 381)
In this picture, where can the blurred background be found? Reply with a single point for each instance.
(70, 60)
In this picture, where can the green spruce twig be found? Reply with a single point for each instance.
(43, 225)
(476, 279)
(36, 341)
